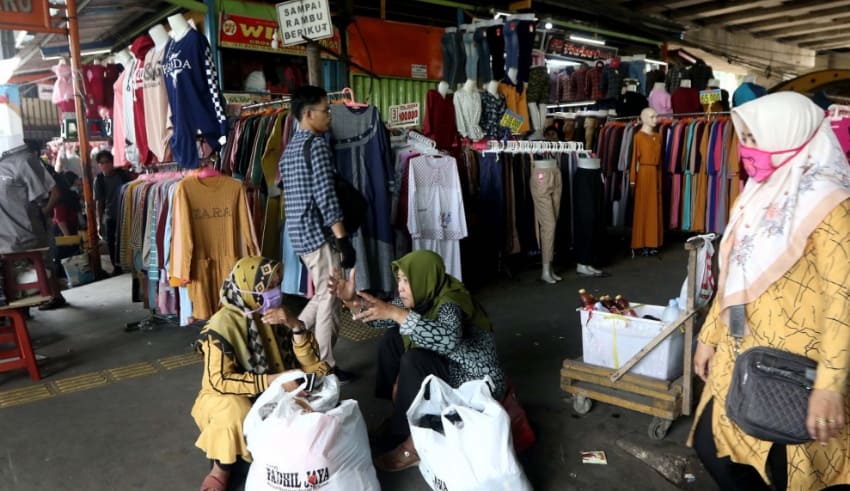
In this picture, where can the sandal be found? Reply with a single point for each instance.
(398, 459)
(212, 483)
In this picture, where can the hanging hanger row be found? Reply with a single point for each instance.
(421, 141)
(532, 146)
(672, 115)
(262, 105)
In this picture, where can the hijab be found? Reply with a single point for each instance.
(240, 329)
(432, 287)
(771, 221)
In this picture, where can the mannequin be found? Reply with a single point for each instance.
(443, 89)
(470, 86)
(630, 102)
(179, 26)
(749, 79)
(493, 88)
(589, 227)
(124, 58)
(645, 178)
(492, 110)
(159, 36)
(546, 193)
(659, 99)
(467, 104)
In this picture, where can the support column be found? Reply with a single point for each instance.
(314, 64)
(83, 137)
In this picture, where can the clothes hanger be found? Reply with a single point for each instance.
(352, 102)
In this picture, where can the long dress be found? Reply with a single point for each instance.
(647, 225)
(804, 312)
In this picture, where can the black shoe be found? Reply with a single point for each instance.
(343, 376)
(54, 303)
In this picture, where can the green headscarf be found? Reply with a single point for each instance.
(240, 330)
(432, 287)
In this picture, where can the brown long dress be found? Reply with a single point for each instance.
(647, 226)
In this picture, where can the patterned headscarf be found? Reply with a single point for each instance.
(240, 294)
(772, 220)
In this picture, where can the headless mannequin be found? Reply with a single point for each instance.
(179, 26)
(546, 193)
(686, 83)
(660, 86)
(587, 228)
(443, 89)
(749, 79)
(647, 226)
(493, 88)
(470, 86)
(159, 36)
(124, 58)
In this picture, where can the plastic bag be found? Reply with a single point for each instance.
(295, 447)
(704, 275)
(463, 437)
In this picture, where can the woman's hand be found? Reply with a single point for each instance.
(702, 360)
(290, 386)
(340, 287)
(378, 310)
(825, 418)
(281, 315)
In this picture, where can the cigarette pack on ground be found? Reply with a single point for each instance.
(594, 457)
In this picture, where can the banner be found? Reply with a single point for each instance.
(304, 18)
(254, 34)
(23, 15)
(574, 49)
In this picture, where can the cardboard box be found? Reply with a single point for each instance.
(610, 340)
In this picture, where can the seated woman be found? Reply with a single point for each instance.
(433, 327)
(246, 345)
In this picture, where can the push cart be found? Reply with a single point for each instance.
(664, 400)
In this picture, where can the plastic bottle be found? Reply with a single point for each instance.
(624, 306)
(609, 304)
(671, 312)
(587, 300)
(601, 308)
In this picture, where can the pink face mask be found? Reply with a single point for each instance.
(759, 163)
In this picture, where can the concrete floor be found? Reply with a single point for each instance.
(130, 429)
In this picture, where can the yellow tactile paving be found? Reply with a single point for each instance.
(24, 395)
(177, 361)
(81, 382)
(132, 371)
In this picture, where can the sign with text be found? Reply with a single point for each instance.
(404, 115)
(583, 51)
(419, 71)
(257, 35)
(300, 18)
(512, 120)
(23, 15)
(710, 96)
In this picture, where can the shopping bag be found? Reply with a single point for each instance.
(704, 275)
(295, 447)
(463, 438)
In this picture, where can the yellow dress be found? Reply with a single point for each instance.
(805, 312)
(647, 225)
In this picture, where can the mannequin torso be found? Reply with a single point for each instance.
(443, 88)
(159, 36)
(179, 26)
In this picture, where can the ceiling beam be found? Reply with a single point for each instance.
(658, 7)
(840, 40)
(824, 33)
(718, 8)
(833, 45)
(795, 9)
(784, 22)
(810, 27)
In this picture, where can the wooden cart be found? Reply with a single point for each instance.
(662, 399)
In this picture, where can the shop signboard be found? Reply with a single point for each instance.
(710, 96)
(23, 15)
(584, 51)
(255, 34)
(304, 18)
(404, 115)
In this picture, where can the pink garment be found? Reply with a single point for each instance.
(118, 137)
(94, 79)
(841, 128)
(140, 48)
(659, 99)
(157, 112)
(63, 89)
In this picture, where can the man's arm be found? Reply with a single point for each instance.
(52, 200)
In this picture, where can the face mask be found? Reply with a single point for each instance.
(272, 299)
(759, 163)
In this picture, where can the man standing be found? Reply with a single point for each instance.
(29, 195)
(313, 215)
(106, 187)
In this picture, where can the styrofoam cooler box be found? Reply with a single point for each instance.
(610, 340)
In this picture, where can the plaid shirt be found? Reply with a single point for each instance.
(310, 198)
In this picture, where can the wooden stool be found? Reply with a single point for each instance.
(12, 288)
(20, 355)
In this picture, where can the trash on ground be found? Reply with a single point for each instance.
(671, 467)
(689, 478)
(594, 457)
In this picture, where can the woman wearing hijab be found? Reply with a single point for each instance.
(246, 345)
(434, 326)
(785, 283)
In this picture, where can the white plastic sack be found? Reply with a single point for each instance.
(295, 449)
(704, 276)
(474, 452)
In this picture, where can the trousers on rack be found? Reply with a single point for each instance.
(471, 52)
(546, 186)
(485, 73)
(587, 189)
(453, 58)
(496, 46)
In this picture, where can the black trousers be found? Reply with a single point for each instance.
(588, 215)
(410, 367)
(110, 233)
(733, 476)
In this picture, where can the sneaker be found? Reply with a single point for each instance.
(54, 303)
(584, 270)
(343, 376)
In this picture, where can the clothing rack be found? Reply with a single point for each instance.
(259, 105)
(532, 146)
(673, 115)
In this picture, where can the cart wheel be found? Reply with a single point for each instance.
(659, 427)
(581, 404)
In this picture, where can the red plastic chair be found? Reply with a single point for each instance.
(13, 289)
(20, 355)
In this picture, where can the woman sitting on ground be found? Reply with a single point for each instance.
(246, 345)
(434, 327)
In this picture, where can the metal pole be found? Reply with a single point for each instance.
(314, 64)
(83, 137)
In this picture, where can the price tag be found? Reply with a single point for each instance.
(512, 120)
(710, 96)
(404, 115)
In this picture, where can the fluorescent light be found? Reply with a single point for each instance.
(560, 63)
(657, 62)
(548, 25)
(687, 57)
(501, 14)
(581, 39)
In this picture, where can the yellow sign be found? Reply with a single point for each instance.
(710, 96)
(512, 120)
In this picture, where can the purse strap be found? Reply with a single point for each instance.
(737, 325)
